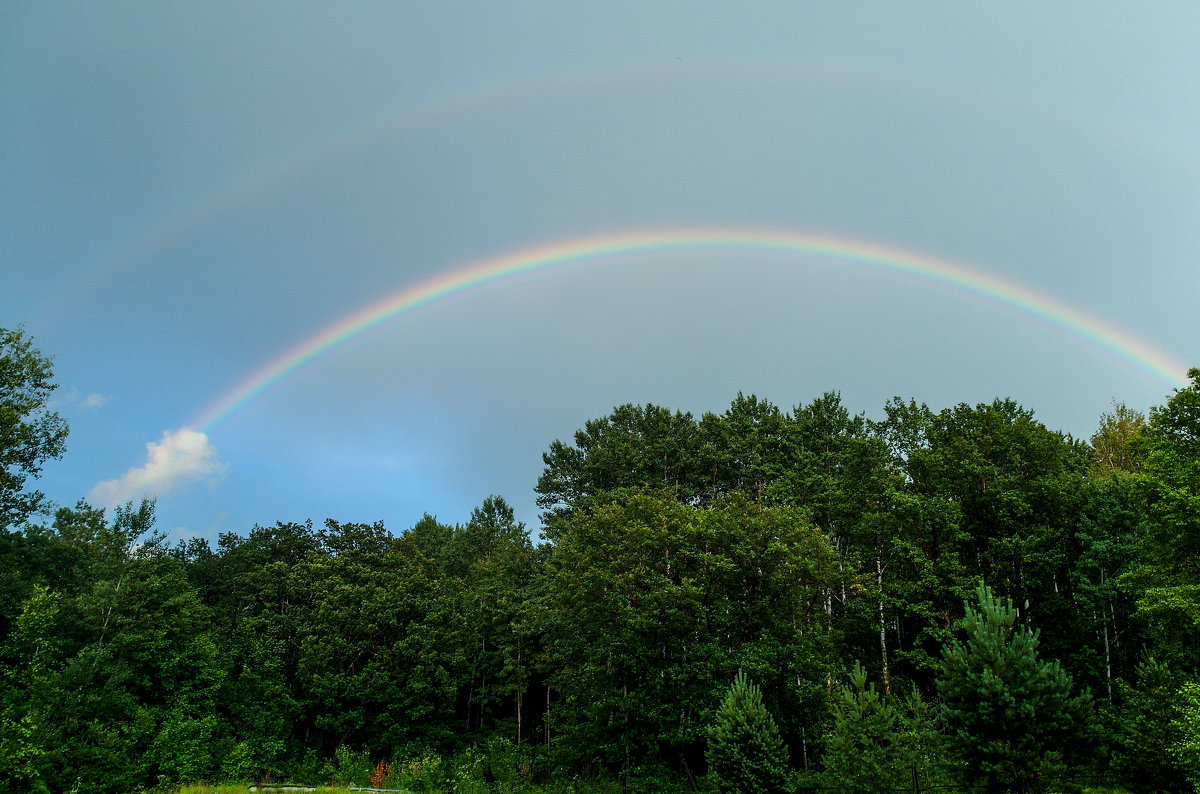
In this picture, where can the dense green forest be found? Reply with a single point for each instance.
(756, 600)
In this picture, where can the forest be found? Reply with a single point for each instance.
(764, 599)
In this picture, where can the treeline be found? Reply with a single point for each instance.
(962, 594)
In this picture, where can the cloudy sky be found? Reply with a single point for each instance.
(973, 201)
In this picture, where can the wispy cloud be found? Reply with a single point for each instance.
(181, 456)
(73, 397)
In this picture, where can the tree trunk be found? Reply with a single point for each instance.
(1104, 613)
(887, 680)
(520, 696)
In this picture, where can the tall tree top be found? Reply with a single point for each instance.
(30, 434)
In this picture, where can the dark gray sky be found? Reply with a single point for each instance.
(188, 190)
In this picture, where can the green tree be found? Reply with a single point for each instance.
(32, 653)
(1011, 718)
(646, 602)
(495, 588)
(1113, 441)
(132, 692)
(1146, 730)
(745, 754)
(921, 529)
(1104, 641)
(1013, 479)
(1017, 489)
(256, 595)
(1166, 583)
(634, 446)
(877, 742)
(1186, 749)
(745, 449)
(30, 434)
(380, 642)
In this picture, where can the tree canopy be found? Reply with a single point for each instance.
(30, 433)
(932, 595)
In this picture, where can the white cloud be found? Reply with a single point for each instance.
(72, 397)
(181, 456)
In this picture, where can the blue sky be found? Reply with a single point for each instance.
(188, 190)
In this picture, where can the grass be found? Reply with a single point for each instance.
(243, 788)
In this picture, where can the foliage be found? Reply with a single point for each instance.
(348, 768)
(1011, 719)
(745, 754)
(1186, 749)
(788, 544)
(422, 771)
(646, 602)
(878, 742)
(1146, 729)
(1113, 442)
(1167, 582)
(21, 757)
(30, 433)
(636, 446)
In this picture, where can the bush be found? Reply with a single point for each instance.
(420, 772)
(348, 768)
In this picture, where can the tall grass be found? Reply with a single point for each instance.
(243, 788)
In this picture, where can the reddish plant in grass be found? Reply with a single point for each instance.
(380, 775)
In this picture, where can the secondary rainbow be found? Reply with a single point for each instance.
(594, 249)
(289, 162)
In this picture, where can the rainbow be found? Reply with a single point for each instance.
(244, 186)
(596, 248)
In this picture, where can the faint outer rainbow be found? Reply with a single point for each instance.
(581, 250)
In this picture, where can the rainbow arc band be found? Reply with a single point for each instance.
(593, 249)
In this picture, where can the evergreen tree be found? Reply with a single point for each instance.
(1010, 716)
(1186, 749)
(877, 742)
(745, 753)
(1145, 730)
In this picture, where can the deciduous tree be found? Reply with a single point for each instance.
(30, 433)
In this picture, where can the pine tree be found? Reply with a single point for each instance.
(1147, 730)
(859, 753)
(1010, 716)
(745, 753)
(878, 742)
(1186, 749)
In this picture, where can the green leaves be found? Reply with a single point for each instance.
(635, 446)
(648, 601)
(877, 742)
(1167, 582)
(1011, 718)
(745, 754)
(30, 434)
(774, 545)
